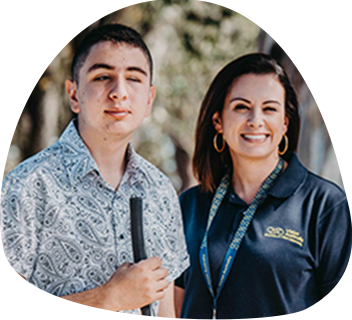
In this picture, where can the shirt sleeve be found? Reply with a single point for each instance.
(166, 234)
(334, 246)
(180, 257)
(18, 223)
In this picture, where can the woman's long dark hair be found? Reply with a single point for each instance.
(209, 166)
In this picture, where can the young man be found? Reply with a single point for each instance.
(65, 212)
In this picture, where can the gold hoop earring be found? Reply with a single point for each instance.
(215, 142)
(281, 153)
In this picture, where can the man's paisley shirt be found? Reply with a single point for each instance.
(66, 230)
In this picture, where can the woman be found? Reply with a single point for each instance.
(266, 237)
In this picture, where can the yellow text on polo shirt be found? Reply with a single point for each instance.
(286, 234)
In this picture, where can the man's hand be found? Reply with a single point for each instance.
(130, 287)
(136, 285)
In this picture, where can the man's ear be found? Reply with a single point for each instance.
(71, 89)
(150, 101)
(217, 122)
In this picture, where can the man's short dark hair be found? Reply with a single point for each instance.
(115, 33)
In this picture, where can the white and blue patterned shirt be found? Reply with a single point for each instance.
(66, 230)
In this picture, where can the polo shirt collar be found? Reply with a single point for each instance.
(79, 161)
(291, 179)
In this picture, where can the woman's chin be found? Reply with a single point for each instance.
(256, 154)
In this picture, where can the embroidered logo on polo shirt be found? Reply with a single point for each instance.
(286, 234)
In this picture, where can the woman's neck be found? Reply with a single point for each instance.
(249, 174)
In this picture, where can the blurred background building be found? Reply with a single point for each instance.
(190, 42)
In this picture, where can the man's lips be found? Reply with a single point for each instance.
(118, 113)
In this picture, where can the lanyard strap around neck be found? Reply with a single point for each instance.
(240, 233)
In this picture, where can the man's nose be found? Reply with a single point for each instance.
(118, 91)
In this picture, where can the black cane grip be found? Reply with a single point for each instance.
(139, 253)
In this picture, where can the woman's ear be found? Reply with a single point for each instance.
(71, 89)
(286, 124)
(217, 122)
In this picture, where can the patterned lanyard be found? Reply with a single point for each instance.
(241, 231)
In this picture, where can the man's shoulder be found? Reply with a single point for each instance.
(154, 175)
(35, 164)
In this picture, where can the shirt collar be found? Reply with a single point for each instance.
(77, 157)
(136, 164)
(79, 161)
(136, 178)
(291, 179)
(234, 198)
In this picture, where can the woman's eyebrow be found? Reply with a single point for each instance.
(272, 101)
(239, 98)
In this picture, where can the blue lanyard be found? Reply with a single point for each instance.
(240, 233)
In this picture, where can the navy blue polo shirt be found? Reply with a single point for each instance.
(295, 250)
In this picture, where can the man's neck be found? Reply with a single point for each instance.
(109, 153)
(249, 175)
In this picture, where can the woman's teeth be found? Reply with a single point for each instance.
(254, 137)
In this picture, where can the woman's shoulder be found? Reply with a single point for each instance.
(299, 176)
(328, 192)
(190, 193)
(322, 183)
(315, 192)
(194, 195)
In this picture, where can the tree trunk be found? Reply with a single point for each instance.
(312, 39)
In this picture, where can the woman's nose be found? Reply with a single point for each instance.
(255, 119)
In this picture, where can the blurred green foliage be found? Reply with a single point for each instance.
(190, 41)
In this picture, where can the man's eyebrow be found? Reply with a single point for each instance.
(108, 67)
(100, 66)
(138, 69)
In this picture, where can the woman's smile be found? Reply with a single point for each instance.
(255, 137)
